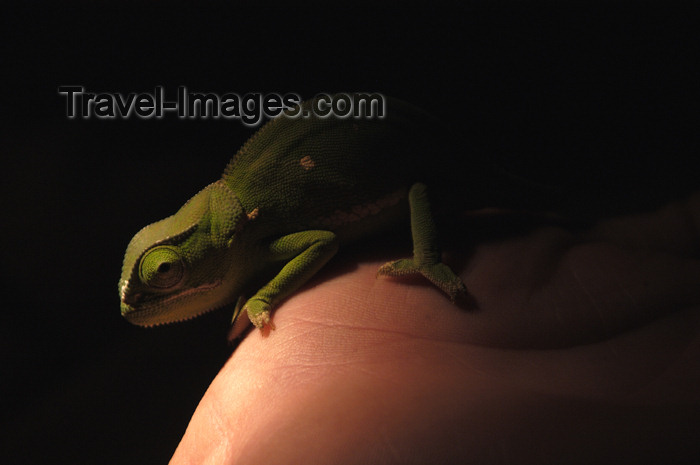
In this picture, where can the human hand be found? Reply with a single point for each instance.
(584, 348)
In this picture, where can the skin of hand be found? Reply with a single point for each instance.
(583, 348)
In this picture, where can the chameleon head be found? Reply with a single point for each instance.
(175, 269)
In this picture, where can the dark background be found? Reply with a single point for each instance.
(601, 96)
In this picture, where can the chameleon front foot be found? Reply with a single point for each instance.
(259, 314)
(437, 273)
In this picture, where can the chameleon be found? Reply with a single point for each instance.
(296, 191)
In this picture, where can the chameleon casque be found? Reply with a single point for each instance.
(295, 191)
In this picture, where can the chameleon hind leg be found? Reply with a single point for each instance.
(426, 254)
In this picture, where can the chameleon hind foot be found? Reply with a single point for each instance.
(437, 273)
(426, 254)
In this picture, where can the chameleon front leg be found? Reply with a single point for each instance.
(426, 254)
(307, 252)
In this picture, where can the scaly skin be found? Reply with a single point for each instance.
(295, 192)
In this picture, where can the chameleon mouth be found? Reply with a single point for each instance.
(172, 309)
(150, 319)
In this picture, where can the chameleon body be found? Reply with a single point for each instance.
(297, 190)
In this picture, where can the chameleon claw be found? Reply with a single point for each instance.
(266, 327)
(261, 319)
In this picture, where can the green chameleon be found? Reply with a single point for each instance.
(297, 189)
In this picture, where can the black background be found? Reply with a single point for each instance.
(596, 94)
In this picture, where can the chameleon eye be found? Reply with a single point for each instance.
(161, 267)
